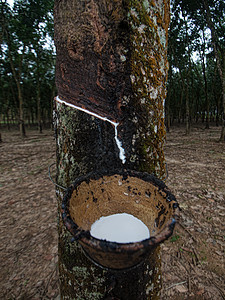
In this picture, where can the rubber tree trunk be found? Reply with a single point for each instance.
(222, 136)
(39, 116)
(111, 61)
(17, 77)
(202, 55)
(167, 103)
(21, 112)
(220, 61)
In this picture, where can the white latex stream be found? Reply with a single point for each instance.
(118, 142)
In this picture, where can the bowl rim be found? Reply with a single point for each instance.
(84, 236)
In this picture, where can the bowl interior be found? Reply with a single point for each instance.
(113, 194)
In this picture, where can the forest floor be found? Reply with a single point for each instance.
(192, 260)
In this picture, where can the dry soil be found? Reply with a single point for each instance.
(192, 260)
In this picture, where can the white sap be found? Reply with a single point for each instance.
(122, 155)
(120, 228)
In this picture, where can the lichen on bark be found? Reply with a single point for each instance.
(149, 67)
(77, 274)
(111, 58)
(79, 277)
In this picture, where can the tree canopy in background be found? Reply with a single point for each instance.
(196, 82)
(27, 62)
(196, 52)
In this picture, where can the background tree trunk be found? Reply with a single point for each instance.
(202, 56)
(39, 117)
(222, 136)
(111, 60)
(220, 60)
(167, 105)
(17, 77)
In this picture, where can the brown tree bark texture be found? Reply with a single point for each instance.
(111, 60)
(220, 60)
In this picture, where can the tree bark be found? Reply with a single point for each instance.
(222, 136)
(202, 56)
(167, 105)
(17, 78)
(187, 106)
(38, 96)
(111, 61)
(220, 60)
(16, 73)
(185, 91)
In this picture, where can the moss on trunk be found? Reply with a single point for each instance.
(111, 59)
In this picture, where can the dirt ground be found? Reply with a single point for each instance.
(192, 260)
